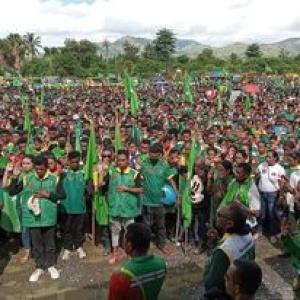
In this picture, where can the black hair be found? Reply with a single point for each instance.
(38, 140)
(274, 154)
(48, 154)
(246, 167)
(173, 151)
(227, 165)
(139, 235)
(249, 276)
(131, 141)
(61, 135)
(239, 217)
(145, 141)
(74, 154)
(173, 131)
(22, 140)
(52, 128)
(156, 148)
(123, 152)
(243, 153)
(186, 131)
(31, 157)
(40, 160)
(289, 144)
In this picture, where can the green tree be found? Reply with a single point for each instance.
(253, 51)
(32, 44)
(106, 46)
(14, 51)
(149, 51)
(183, 59)
(164, 44)
(50, 51)
(131, 52)
(284, 54)
(207, 55)
(36, 67)
(84, 51)
(2, 54)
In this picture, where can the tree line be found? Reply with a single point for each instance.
(26, 55)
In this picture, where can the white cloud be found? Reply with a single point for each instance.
(215, 22)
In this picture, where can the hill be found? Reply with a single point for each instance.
(192, 48)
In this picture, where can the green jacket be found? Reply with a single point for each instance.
(231, 247)
(146, 272)
(29, 186)
(125, 204)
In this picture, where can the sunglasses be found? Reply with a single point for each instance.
(106, 156)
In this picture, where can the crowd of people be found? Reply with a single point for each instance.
(244, 184)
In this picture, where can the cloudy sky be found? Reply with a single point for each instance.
(212, 22)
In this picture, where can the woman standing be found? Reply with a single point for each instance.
(27, 167)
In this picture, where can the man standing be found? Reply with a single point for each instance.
(40, 191)
(141, 277)
(78, 192)
(243, 190)
(156, 173)
(124, 186)
(236, 243)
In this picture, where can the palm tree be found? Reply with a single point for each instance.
(33, 44)
(15, 51)
(2, 53)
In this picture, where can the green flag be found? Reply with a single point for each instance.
(186, 205)
(186, 88)
(177, 77)
(78, 131)
(9, 218)
(118, 139)
(91, 157)
(220, 102)
(16, 82)
(248, 102)
(136, 134)
(27, 126)
(131, 95)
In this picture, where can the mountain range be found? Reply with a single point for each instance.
(192, 48)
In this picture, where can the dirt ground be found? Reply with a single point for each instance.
(89, 278)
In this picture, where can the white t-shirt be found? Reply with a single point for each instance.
(254, 204)
(294, 179)
(269, 177)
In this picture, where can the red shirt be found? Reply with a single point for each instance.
(119, 289)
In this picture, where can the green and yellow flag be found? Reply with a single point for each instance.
(131, 95)
(118, 138)
(91, 157)
(187, 89)
(186, 204)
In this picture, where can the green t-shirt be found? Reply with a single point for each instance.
(1, 197)
(3, 162)
(155, 177)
